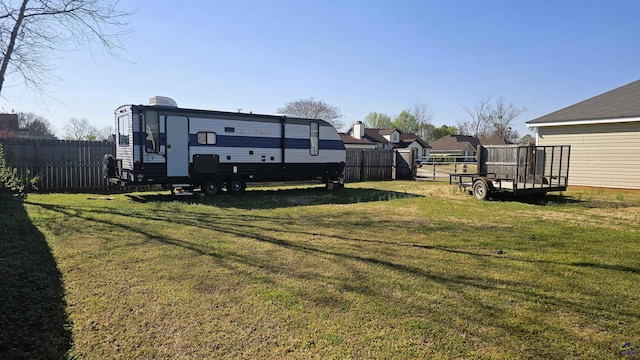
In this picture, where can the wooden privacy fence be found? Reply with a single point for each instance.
(77, 165)
(58, 164)
(376, 165)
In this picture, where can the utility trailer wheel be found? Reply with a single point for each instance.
(236, 186)
(211, 187)
(480, 190)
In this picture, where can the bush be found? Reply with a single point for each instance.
(11, 181)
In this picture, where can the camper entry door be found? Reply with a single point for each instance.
(177, 130)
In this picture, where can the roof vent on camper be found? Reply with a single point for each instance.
(162, 101)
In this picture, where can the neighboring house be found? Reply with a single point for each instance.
(352, 143)
(492, 140)
(8, 125)
(461, 147)
(9, 128)
(604, 134)
(388, 139)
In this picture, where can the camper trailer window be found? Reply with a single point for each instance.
(206, 138)
(152, 129)
(123, 130)
(314, 138)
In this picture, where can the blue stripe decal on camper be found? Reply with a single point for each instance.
(267, 142)
(248, 141)
(251, 142)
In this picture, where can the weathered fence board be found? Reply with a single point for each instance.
(369, 165)
(58, 164)
(404, 166)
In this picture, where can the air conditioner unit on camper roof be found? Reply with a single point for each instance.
(162, 101)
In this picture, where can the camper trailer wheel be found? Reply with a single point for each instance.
(236, 186)
(211, 187)
(480, 190)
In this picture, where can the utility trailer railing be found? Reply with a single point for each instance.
(517, 169)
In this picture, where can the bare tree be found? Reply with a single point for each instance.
(37, 125)
(313, 109)
(501, 120)
(79, 129)
(105, 134)
(32, 30)
(491, 118)
(480, 113)
(423, 116)
(421, 111)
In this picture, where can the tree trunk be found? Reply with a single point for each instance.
(12, 42)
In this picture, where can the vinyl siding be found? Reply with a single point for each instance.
(602, 155)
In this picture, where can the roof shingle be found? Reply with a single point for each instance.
(454, 142)
(622, 102)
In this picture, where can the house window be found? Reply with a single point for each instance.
(314, 138)
(123, 130)
(206, 138)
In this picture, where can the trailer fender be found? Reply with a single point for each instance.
(482, 187)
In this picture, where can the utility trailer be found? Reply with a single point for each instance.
(518, 169)
(161, 143)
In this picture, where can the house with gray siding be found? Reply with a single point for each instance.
(604, 134)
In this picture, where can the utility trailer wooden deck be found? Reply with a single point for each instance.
(517, 169)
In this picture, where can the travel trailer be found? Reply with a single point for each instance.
(161, 143)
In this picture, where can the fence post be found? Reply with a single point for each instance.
(362, 165)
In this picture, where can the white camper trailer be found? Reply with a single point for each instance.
(163, 144)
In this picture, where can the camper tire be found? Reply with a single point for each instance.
(211, 187)
(236, 186)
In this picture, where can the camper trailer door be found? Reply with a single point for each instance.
(177, 130)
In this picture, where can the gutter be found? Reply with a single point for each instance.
(584, 122)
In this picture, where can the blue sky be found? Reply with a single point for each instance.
(360, 56)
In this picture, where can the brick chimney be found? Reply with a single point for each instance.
(9, 122)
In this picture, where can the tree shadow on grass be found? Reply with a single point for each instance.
(556, 199)
(33, 314)
(278, 198)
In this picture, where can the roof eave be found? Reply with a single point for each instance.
(584, 122)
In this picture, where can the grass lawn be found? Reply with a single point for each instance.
(386, 270)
